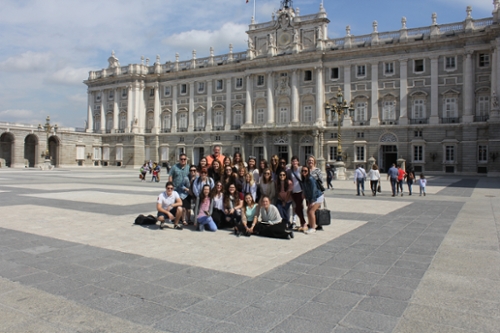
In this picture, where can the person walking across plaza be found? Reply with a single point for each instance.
(359, 179)
(401, 177)
(410, 177)
(330, 173)
(423, 184)
(392, 174)
(374, 176)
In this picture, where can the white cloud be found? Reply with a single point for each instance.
(68, 75)
(202, 40)
(78, 98)
(27, 61)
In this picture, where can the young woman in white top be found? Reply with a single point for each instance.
(374, 176)
(218, 198)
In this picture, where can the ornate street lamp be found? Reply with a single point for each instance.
(48, 128)
(341, 108)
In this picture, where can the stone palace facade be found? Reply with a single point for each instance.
(427, 95)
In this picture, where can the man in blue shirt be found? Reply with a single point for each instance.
(392, 173)
(179, 177)
(359, 179)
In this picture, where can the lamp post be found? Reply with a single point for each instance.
(48, 128)
(341, 108)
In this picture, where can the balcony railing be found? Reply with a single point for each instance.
(481, 118)
(218, 128)
(199, 129)
(235, 127)
(147, 130)
(166, 130)
(454, 120)
(419, 121)
(182, 129)
(389, 122)
(120, 130)
(361, 123)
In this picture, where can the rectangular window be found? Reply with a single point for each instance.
(419, 109)
(483, 106)
(418, 65)
(450, 63)
(308, 113)
(238, 118)
(111, 95)
(418, 134)
(389, 110)
(333, 136)
(334, 73)
(119, 153)
(308, 76)
(239, 82)
(360, 153)
(201, 87)
(219, 85)
(360, 111)
(184, 89)
(388, 68)
(98, 97)
(283, 115)
(183, 120)
(418, 155)
(361, 71)
(236, 150)
(333, 153)
(260, 80)
(450, 153)
(151, 92)
(219, 119)
(450, 107)
(484, 60)
(124, 92)
(167, 91)
(482, 153)
(97, 153)
(80, 152)
(260, 116)
(360, 135)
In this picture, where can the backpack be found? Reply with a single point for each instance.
(142, 220)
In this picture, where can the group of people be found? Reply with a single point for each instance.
(249, 198)
(154, 169)
(397, 176)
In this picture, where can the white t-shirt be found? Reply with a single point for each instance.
(166, 200)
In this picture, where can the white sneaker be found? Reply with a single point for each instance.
(311, 231)
(294, 220)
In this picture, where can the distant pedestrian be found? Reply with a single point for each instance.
(392, 173)
(374, 176)
(423, 184)
(359, 179)
(401, 177)
(329, 176)
(410, 177)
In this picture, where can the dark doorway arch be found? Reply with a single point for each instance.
(7, 148)
(54, 150)
(30, 149)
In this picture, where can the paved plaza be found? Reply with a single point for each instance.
(71, 260)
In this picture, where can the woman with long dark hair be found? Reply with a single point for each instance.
(204, 211)
(267, 186)
(249, 215)
(284, 188)
(218, 198)
(314, 198)
(232, 207)
(215, 171)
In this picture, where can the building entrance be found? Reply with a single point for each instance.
(30, 145)
(389, 155)
(6, 148)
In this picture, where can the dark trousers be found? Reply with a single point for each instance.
(299, 207)
(284, 209)
(373, 186)
(218, 217)
(400, 186)
(394, 182)
(360, 183)
(271, 230)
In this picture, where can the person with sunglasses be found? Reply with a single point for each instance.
(218, 198)
(169, 207)
(215, 156)
(297, 197)
(283, 191)
(314, 198)
(266, 185)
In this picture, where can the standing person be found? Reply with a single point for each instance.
(423, 184)
(232, 207)
(315, 172)
(329, 176)
(202, 164)
(252, 167)
(249, 186)
(295, 175)
(143, 171)
(266, 186)
(215, 156)
(401, 177)
(158, 168)
(167, 167)
(281, 166)
(314, 198)
(229, 177)
(154, 178)
(270, 222)
(262, 166)
(284, 188)
(374, 176)
(215, 171)
(249, 215)
(201, 181)
(179, 177)
(218, 198)
(410, 177)
(204, 210)
(239, 179)
(238, 161)
(359, 179)
(273, 165)
(169, 207)
(392, 173)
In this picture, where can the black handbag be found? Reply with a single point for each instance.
(323, 216)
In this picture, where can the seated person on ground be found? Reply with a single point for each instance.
(169, 206)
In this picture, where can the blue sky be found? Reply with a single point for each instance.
(48, 46)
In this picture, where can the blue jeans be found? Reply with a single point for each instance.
(208, 223)
(284, 210)
(360, 182)
(394, 182)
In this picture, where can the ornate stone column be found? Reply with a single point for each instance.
(374, 120)
(290, 146)
(229, 112)
(191, 119)
(468, 117)
(116, 110)
(320, 95)
(209, 105)
(270, 100)
(265, 139)
(434, 118)
(295, 98)
(174, 109)
(347, 93)
(248, 102)
(156, 126)
(90, 114)
(103, 113)
(130, 109)
(403, 92)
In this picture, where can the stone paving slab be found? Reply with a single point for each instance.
(406, 264)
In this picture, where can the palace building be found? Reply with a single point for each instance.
(425, 95)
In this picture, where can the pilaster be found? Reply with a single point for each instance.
(347, 93)
(248, 102)
(156, 126)
(191, 119)
(116, 110)
(90, 116)
(229, 112)
(295, 95)
(103, 113)
(320, 95)
(270, 100)
(403, 92)
(209, 105)
(130, 109)
(374, 120)
(174, 108)
(468, 117)
(434, 118)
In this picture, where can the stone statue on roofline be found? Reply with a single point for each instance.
(113, 61)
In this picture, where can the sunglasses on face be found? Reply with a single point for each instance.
(183, 159)
(192, 170)
(305, 171)
(170, 188)
(282, 175)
